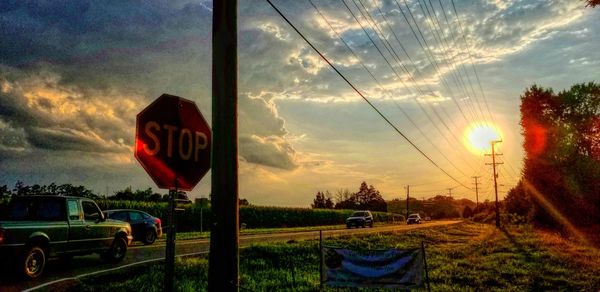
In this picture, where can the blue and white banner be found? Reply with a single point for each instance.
(390, 268)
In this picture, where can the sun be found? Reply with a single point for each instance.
(477, 137)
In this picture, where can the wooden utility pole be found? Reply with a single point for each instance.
(476, 190)
(407, 198)
(223, 270)
(494, 163)
(450, 192)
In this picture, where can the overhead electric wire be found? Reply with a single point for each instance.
(413, 63)
(364, 97)
(472, 61)
(383, 88)
(477, 75)
(428, 52)
(391, 51)
(462, 65)
(435, 32)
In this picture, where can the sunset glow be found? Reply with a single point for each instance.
(477, 137)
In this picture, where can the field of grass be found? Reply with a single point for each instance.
(466, 256)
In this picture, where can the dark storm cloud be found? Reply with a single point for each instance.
(262, 135)
(50, 115)
(97, 43)
(75, 73)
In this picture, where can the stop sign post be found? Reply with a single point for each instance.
(173, 144)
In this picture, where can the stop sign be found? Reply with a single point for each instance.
(173, 142)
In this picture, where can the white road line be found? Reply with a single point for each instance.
(110, 270)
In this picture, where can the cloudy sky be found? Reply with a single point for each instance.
(74, 74)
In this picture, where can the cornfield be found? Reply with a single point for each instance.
(251, 216)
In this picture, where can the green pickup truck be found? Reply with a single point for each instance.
(35, 228)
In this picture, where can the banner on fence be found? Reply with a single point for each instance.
(390, 268)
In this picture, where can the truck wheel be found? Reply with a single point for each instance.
(149, 237)
(33, 262)
(117, 251)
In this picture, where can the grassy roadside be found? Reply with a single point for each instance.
(254, 231)
(466, 256)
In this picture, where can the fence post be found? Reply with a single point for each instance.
(321, 259)
(425, 263)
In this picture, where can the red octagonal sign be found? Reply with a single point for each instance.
(173, 142)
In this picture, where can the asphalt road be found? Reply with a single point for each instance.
(57, 270)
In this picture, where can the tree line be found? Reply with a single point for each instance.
(53, 189)
(366, 198)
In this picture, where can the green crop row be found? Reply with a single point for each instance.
(189, 219)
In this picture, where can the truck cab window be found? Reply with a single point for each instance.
(74, 213)
(90, 211)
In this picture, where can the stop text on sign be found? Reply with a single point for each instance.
(173, 142)
(189, 143)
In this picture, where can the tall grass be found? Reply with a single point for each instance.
(461, 257)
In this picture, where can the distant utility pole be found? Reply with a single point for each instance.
(407, 197)
(493, 164)
(450, 192)
(476, 190)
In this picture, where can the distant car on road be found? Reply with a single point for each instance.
(145, 227)
(413, 219)
(35, 228)
(360, 218)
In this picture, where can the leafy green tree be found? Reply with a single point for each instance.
(562, 153)
(126, 194)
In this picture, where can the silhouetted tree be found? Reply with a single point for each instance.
(467, 212)
(367, 198)
(319, 201)
(244, 202)
(518, 201)
(21, 189)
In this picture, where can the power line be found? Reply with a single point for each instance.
(461, 64)
(363, 97)
(383, 88)
(435, 32)
(476, 74)
(413, 63)
(394, 55)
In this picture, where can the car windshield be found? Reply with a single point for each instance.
(413, 216)
(358, 214)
